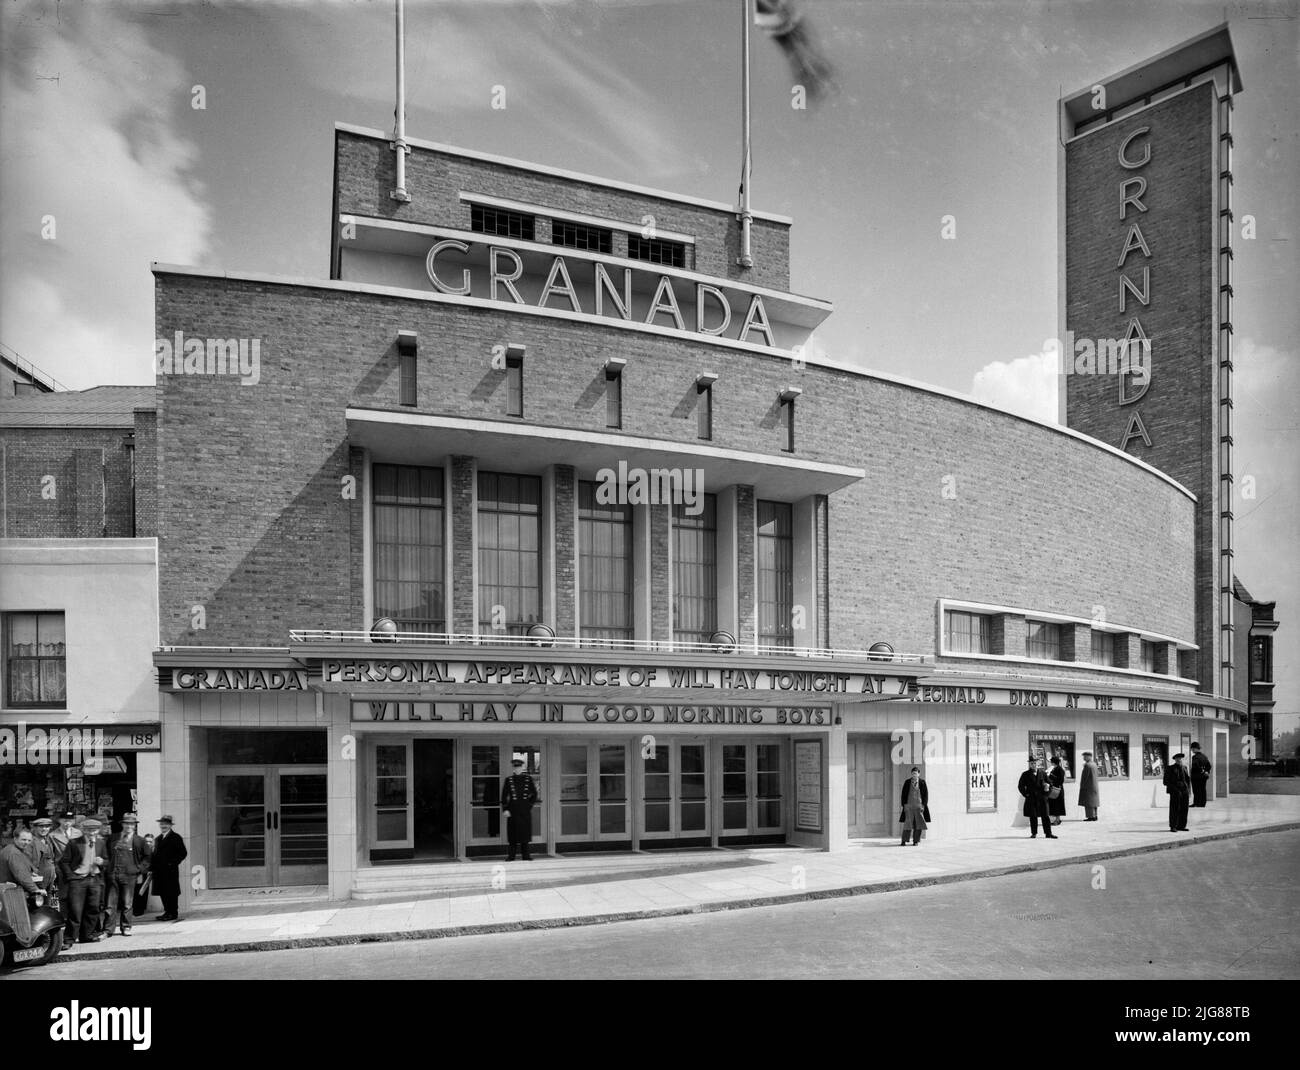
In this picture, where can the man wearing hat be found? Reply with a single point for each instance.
(518, 793)
(1200, 774)
(1033, 786)
(128, 859)
(1089, 792)
(81, 869)
(42, 853)
(1179, 785)
(165, 865)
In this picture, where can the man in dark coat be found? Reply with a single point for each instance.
(1089, 791)
(168, 854)
(127, 858)
(518, 793)
(1033, 786)
(1177, 784)
(1200, 774)
(16, 865)
(916, 807)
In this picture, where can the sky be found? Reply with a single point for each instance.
(941, 109)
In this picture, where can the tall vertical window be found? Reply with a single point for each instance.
(1148, 656)
(409, 563)
(967, 633)
(509, 552)
(36, 660)
(614, 397)
(1043, 640)
(1103, 648)
(604, 566)
(406, 350)
(775, 573)
(1261, 659)
(787, 418)
(704, 411)
(514, 382)
(695, 572)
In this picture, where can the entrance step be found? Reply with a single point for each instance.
(417, 880)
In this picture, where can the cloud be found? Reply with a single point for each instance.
(1027, 386)
(95, 176)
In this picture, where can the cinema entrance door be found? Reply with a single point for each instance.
(269, 825)
(870, 785)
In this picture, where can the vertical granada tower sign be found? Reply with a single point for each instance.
(1145, 184)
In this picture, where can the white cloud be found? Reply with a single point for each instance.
(89, 140)
(1027, 386)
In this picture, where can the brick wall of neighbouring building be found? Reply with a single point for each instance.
(67, 482)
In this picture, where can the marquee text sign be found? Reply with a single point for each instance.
(1061, 700)
(450, 674)
(579, 714)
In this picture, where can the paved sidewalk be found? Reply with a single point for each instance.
(727, 880)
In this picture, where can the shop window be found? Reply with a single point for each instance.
(775, 573)
(604, 566)
(409, 559)
(656, 251)
(501, 222)
(1043, 640)
(509, 552)
(1155, 757)
(1046, 745)
(36, 668)
(582, 236)
(695, 572)
(1103, 648)
(967, 633)
(1110, 754)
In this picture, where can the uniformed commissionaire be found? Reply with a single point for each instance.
(518, 793)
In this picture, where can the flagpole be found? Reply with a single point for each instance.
(399, 133)
(746, 258)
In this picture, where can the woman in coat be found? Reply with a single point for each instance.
(1056, 806)
(1089, 793)
(916, 809)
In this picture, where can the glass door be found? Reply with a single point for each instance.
(593, 792)
(269, 826)
(391, 803)
(299, 837)
(752, 788)
(676, 792)
(239, 829)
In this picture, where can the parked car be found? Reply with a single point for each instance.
(31, 927)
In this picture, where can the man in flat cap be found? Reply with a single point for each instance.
(1179, 785)
(518, 793)
(15, 865)
(1200, 774)
(81, 870)
(128, 859)
(165, 865)
(42, 853)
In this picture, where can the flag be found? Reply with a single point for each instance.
(785, 23)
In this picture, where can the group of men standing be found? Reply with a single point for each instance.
(1180, 783)
(96, 876)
